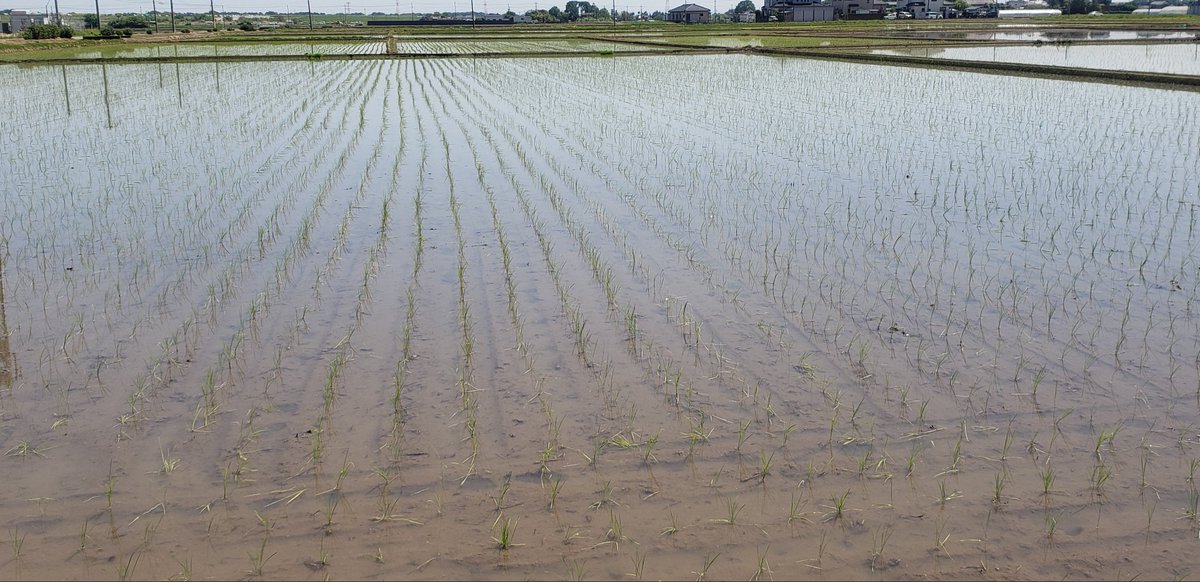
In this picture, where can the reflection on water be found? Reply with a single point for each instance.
(1050, 35)
(7, 366)
(66, 90)
(1179, 59)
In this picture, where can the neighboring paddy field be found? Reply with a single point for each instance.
(705, 316)
(1181, 59)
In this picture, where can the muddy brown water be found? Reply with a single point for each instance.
(723, 316)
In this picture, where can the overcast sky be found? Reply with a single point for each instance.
(333, 6)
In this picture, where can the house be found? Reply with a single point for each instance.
(814, 10)
(806, 12)
(858, 9)
(689, 13)
(1029, 13)
(799, 10)
(19, 20)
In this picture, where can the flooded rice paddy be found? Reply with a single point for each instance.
(1034, 33)
(1180, 59)
(667, 317)
(320, 49)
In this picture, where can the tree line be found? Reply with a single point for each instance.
(578, 10)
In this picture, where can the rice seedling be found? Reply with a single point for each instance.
(616, 532)
(498, 499)
(1047, 479)
(639, 565)
(940, 537)
(944, 495)
(109, 488)
(1191, 511)
(732, 509)
(672, 529)
(554, 488)
(169, 464)
(16, 542)
(742, 434)
(504, 539)
(127, 567)
(702, 574)
(24, 450)
(606, 497)
(576, 569)
(765, 462)
(185, 570)
(1099, 476)
(259, 559)
(879, 540)
(998, 484)
(838, 510)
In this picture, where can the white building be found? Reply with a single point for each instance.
(814, 10)
(19, 20)
(852, 8)
(689, 13)
(1165, 10)
(1029, 13)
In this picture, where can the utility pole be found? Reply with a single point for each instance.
(154, 5)
(472, 13)
(97, 14)
(310, 24)
(57, 14)
(172, 16)
(212, 11)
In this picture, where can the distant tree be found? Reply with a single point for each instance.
(91, 21)
(961, 5)
(1078, 7)
(542, 16)
(246, 24)
(744, 6)
(576, 9)
(44, 31)
(128, 21)
(555, 13)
